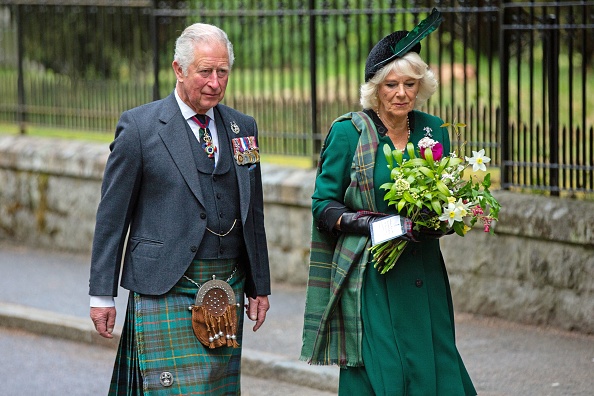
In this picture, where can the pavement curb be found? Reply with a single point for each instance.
(53, 324)
(268, 365)
(254, 363)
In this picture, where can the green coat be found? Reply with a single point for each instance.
(407, 345)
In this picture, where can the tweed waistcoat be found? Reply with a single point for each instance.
(221, 200)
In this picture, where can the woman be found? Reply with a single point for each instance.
(391, 334)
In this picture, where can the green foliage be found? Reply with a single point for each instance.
(429, 189)
(87, 42)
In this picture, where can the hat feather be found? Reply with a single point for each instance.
(422, 30)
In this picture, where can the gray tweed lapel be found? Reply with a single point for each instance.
(172, 131)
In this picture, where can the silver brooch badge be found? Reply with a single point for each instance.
(234, 127)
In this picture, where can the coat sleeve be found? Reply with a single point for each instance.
(334, 173)
(119, 191)
(258, 282)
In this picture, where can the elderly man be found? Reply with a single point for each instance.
(182, 192)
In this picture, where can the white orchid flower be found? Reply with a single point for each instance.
(478, 160)
(462, 208)
(451, 213)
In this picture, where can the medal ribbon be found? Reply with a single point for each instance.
(204, 134)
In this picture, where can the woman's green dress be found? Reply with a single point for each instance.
(408, 344)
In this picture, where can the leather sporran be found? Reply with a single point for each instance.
(214, 315)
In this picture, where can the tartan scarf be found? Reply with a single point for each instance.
(332, 330)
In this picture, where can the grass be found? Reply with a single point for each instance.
(62, 133)
(284, 160)
(103, 137)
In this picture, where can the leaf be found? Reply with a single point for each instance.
(388, 155)
(487, 181)
(442, 188)
(415, 162)
(398, 156)
(459, 228)
(395, 172)
(411, 151)
(427, 172)
(442, 197)
(455, 161)
(429, 156)
(436, 206)
(406, 195)
(386, 186)
(393, 192)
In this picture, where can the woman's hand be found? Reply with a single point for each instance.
(357, 222)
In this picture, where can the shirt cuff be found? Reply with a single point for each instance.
(102, 301)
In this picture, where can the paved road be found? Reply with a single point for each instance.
(502, 358)
(35, 365)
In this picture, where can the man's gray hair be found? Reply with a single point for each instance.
(199, 33)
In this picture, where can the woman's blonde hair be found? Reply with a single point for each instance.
(410, 65)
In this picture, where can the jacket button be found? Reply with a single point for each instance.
(203, 216)
(166, 379)
(193, 248)
(419, 283)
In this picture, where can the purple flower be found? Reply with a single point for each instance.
(435, 146)
(437, 151)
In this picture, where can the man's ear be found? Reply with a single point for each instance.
(179, 74)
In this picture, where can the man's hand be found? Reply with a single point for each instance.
(256, 310)
(104, 320)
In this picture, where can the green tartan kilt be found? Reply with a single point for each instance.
(158, 337)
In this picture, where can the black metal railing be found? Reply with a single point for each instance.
(516, 73)
(547, 142)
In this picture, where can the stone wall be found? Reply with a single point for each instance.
(538, 267)
(49, 191)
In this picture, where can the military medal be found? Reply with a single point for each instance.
(206, 139)
(209, 148)
(245, 150)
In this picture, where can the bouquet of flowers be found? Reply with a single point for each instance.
(429, 189)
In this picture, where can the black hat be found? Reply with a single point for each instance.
(383, 53)
(399, 43)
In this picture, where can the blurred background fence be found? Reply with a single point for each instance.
(517, 73)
